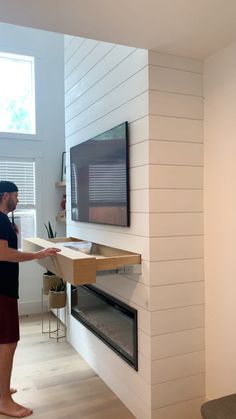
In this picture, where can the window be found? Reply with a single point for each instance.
(22, 173)
(17, 94)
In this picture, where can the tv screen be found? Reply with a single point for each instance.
(99, 178)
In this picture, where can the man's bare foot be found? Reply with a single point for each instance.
(13, 390)
(10, 408)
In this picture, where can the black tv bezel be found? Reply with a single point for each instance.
(127, 176)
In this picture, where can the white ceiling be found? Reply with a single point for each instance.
(191, 28)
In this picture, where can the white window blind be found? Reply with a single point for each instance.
(22, 173)
(107, 183)
(74, 191)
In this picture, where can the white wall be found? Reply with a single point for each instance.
(220, 224)
(161, 97)
(47, 147)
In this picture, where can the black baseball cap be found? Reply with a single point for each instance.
(6, 186)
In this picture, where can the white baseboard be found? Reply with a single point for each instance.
(34, 307)
(29, 307)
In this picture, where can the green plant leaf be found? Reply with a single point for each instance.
(50, 233)
(61, 286)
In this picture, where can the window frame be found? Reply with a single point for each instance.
(18, 135)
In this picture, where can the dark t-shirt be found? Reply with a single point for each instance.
(9, 271)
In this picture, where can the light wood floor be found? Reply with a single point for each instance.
(56, 382)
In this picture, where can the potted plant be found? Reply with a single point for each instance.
(49, 278)
(57, 295)
(51, 234)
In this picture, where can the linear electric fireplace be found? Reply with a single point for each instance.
(114, 322)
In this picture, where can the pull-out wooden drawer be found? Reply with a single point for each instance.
(79, 260)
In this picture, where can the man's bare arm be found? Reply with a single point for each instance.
(7, 254)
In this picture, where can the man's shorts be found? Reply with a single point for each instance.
(9, 320)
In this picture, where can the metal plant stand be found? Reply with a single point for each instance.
(44, 313)
(60, 331)
(54, 328)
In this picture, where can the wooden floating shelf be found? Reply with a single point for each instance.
(79, 260)
(60, 184)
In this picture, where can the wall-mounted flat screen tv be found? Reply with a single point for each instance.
(100, 178)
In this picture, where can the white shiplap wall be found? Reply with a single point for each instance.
(160, 96)
(106, 84)
(176, 236)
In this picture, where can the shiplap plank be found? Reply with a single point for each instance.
(126, 69)
(110, 236)
(180, 366)
(81, 71)
(79, 55)
(123, 94)
(172, 248)
(139, 130)
(177, 319)
(172, 80)
(135, 108)
(139, 224)
(173, 61)
(139, 177)
(176, 200)
(139, 154)
(106, 64)
(176, 177)
(176, 271)
(175, 129)
(177, 343)
(139, 200)
(174, 104)
(177, 295)
(145, 342)
(130, 111)
(72, 44)
(123, 287)
(189, 409)
(175, 224)
(176, 153)
(145, 367)
(179, 390)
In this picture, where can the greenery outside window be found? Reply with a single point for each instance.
(17, 94)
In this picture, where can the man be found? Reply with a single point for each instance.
(9, 321)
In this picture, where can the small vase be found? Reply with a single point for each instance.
(57, 299)
(49, 281)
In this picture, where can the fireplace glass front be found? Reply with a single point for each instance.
(114, 322)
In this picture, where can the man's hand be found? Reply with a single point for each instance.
(51, 251)
(7, 254)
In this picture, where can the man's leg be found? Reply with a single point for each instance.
(7, 404)
(6, 359)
